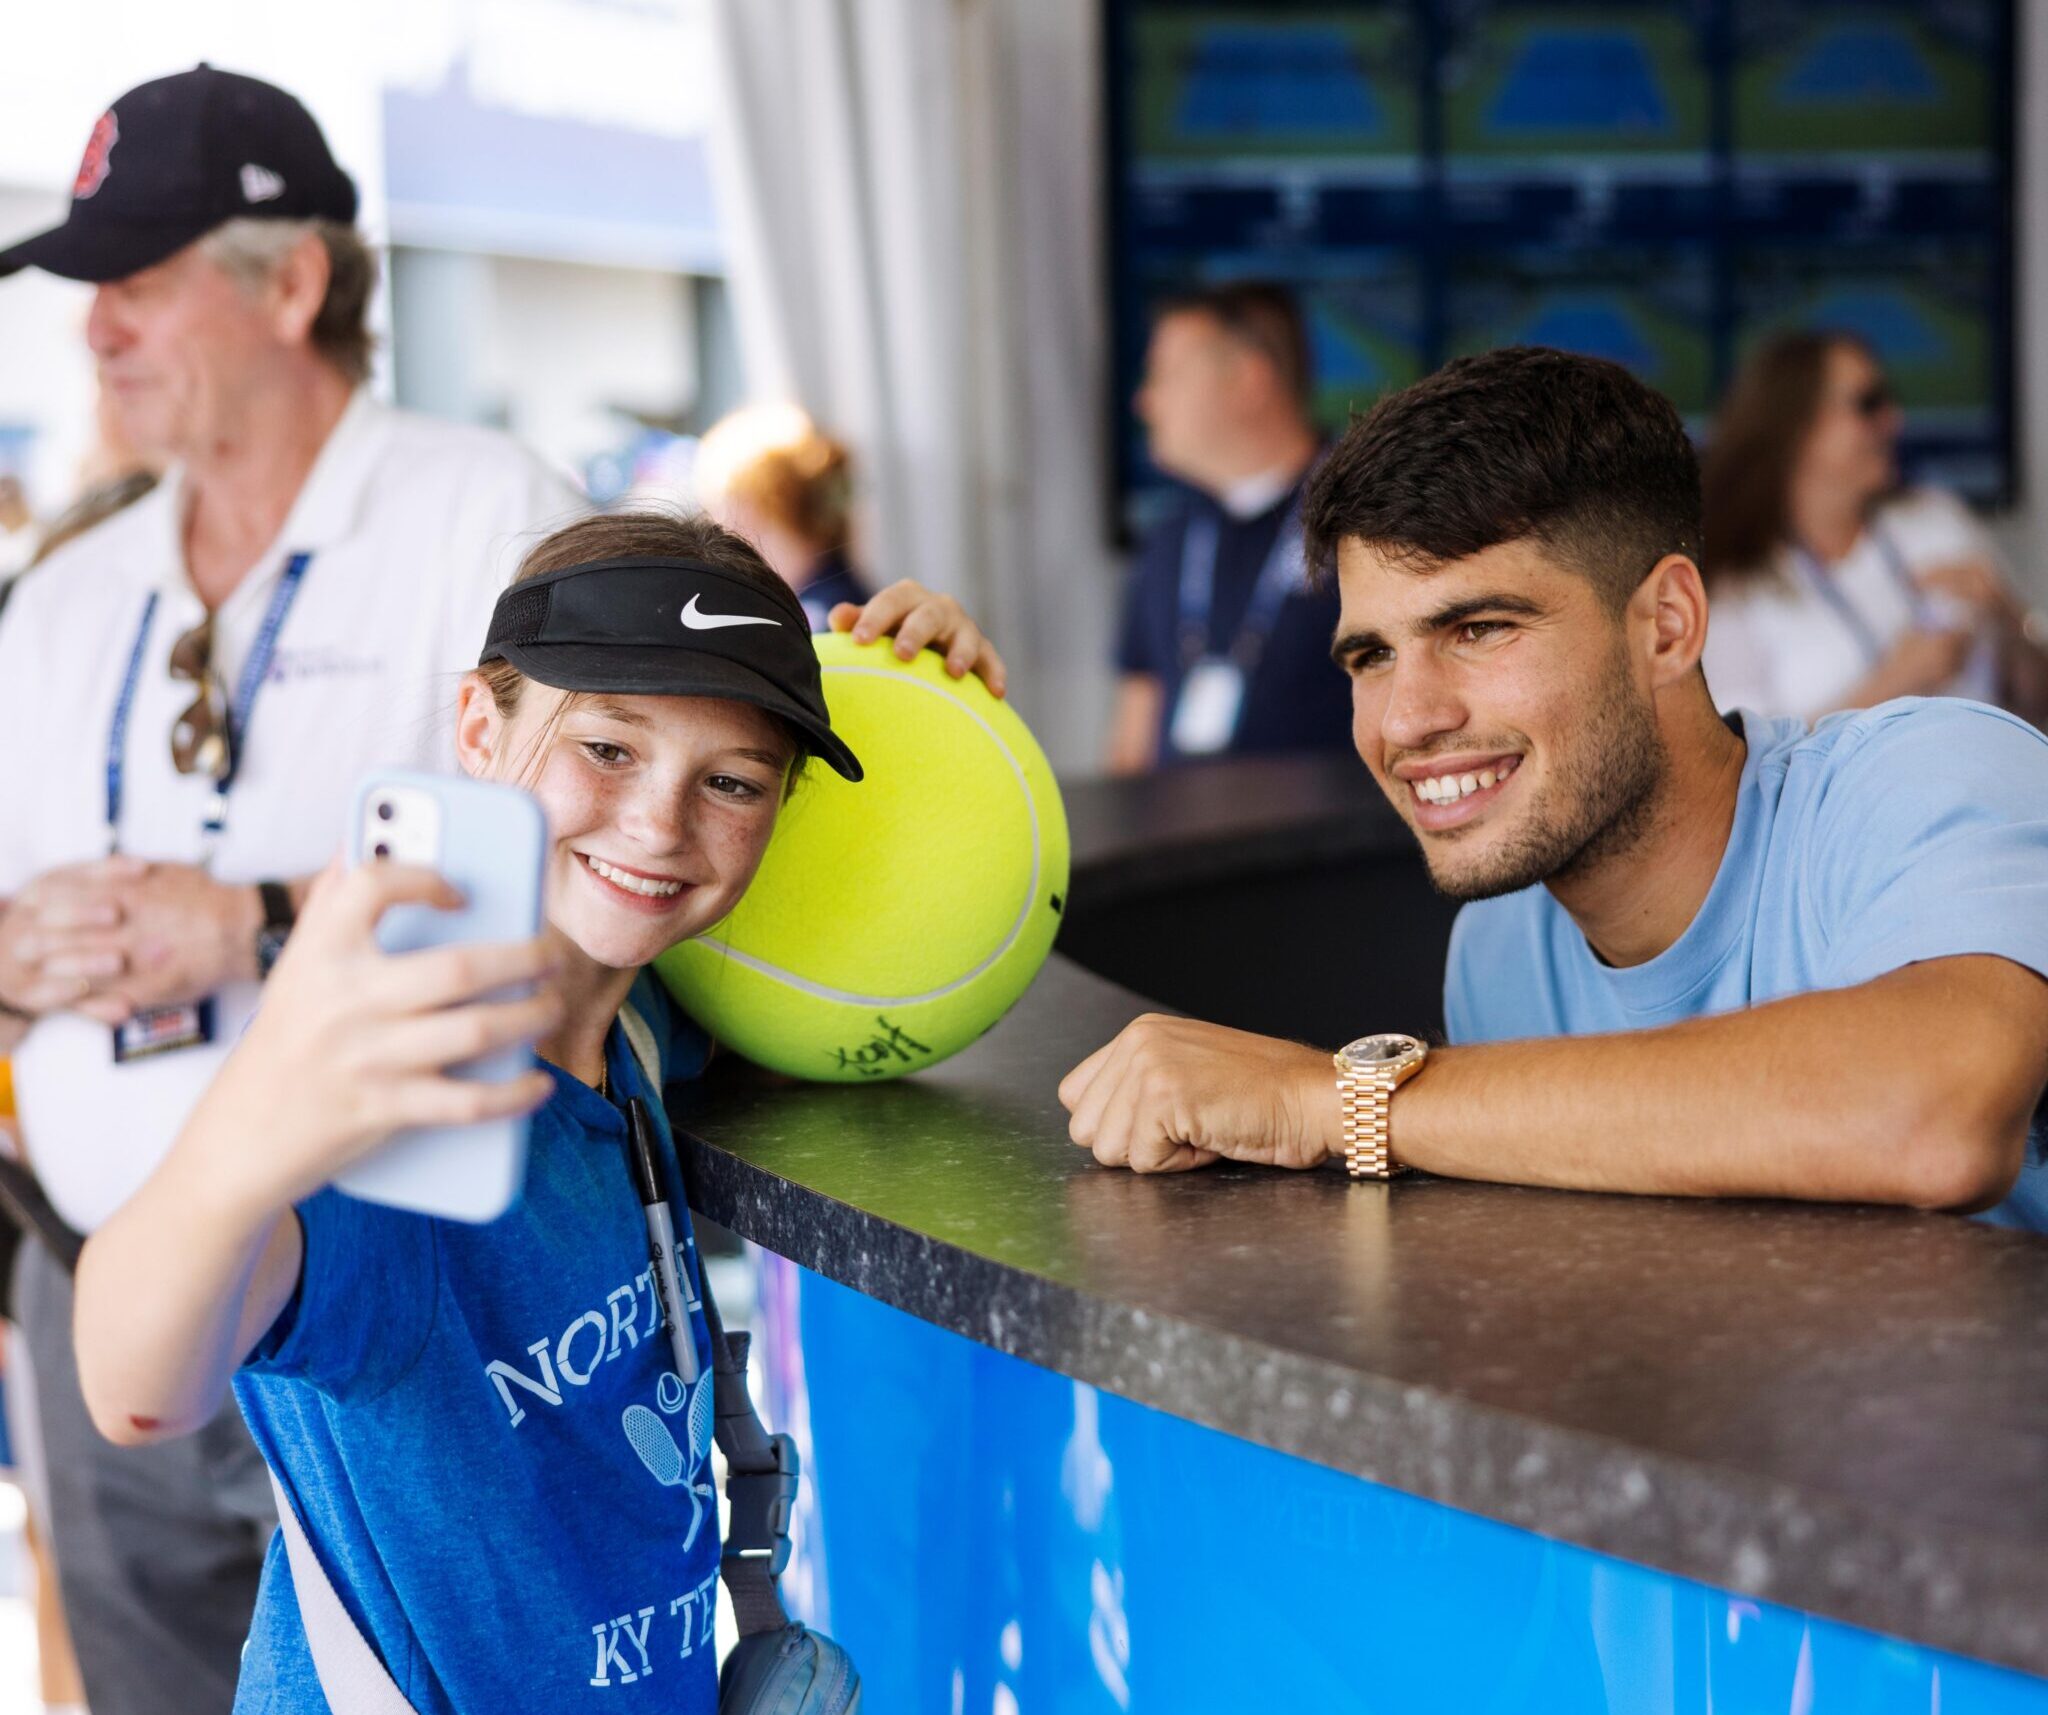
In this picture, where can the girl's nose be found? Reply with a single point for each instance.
(657, 819)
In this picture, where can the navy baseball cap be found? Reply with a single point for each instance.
(661, 627)
(175, 158)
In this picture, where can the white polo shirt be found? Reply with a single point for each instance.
(413, 527)
(1776, 645)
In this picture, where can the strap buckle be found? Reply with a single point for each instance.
(762, 1504)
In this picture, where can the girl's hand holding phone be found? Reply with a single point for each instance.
(353, 1044)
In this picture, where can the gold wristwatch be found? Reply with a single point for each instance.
(1369, 1071)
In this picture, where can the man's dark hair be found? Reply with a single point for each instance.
(1259, 314)
(1524, 443)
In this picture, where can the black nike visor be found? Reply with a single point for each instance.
(647, 626)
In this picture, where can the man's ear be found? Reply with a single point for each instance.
(299, 288)
(1672, 601)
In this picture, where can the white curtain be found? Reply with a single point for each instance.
(911, 198)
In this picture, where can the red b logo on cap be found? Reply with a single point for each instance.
(92, 170)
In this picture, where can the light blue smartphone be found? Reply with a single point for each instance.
(491, 842)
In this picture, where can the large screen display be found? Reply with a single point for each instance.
(1662, 182)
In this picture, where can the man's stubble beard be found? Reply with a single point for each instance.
(1597, 805)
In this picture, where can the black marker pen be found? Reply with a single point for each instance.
(661, 1237)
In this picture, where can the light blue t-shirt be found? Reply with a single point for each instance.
(486, 1438)
(1914, 830)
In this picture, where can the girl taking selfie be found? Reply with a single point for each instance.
(483, 1429)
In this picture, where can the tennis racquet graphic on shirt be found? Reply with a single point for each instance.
(650, 1438)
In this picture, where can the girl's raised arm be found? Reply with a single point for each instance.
(349, 1046)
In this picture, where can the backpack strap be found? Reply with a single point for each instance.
(353, 1678)
(762, 1470)
(646, 1053)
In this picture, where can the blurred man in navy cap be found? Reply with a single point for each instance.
(221, 661)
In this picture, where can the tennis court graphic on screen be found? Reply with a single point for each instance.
(1886, 82)
(1364, 340)
(1917, 309)
(1584, 82)
(1219, 86)
(1660, 182)
(1649, 311)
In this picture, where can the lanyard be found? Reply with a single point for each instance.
(254, 671)
(117, 738)
(1822, 583)
(1278, 577)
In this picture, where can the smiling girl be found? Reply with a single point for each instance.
(447, 1406)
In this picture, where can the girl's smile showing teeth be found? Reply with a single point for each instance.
(652, 888)
(1445, 797)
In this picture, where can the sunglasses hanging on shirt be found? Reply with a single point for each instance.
(206, 739)
(199, 736)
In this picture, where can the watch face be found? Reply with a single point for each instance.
(1371, 1051)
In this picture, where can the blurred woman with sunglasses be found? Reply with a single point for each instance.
(1833, 586)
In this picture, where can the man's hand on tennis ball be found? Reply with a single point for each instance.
(919, 618)
(352, 1044)
(1173, 1093)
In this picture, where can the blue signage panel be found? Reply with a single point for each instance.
(986, 1535)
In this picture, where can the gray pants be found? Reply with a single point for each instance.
(158, 1549)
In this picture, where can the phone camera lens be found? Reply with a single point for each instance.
(380, 849)
(386, 809)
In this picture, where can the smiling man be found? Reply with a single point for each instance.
(1702, 957)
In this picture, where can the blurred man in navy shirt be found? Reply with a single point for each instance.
(1225, 648)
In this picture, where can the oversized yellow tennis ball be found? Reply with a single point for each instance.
(893, 921)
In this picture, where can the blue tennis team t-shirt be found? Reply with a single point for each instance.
(1914, 830)
(486, 1438)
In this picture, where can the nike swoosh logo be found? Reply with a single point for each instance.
(696, 621)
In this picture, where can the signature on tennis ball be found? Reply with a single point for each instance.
(891, 1045)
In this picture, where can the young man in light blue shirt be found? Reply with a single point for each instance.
(1704, 957)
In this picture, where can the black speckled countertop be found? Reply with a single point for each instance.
(1842, 1410)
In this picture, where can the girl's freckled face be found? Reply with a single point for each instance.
(659, 810)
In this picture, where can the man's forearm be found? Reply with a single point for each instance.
(1912, 1089)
